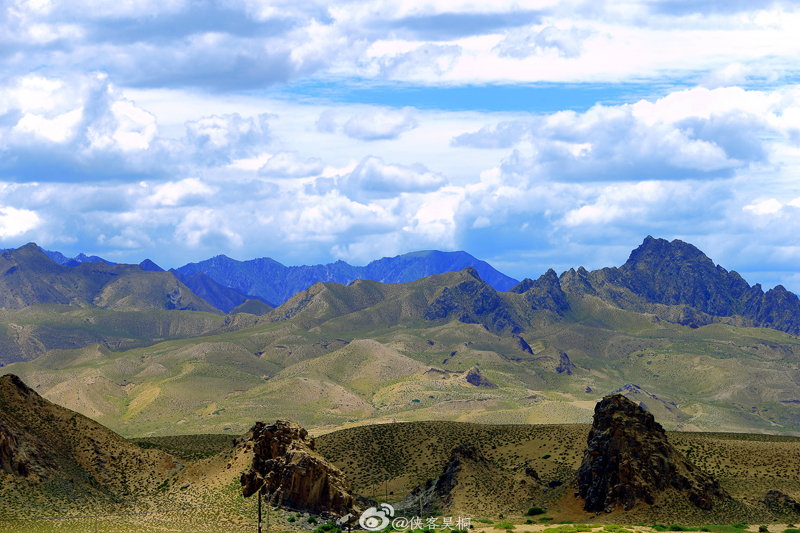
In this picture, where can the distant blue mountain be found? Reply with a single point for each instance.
(277, 283)
(220, 296)
(61, 259)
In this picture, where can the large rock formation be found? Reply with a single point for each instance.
(628, 459)
(288, 469)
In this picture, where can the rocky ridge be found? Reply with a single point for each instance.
(679, 283)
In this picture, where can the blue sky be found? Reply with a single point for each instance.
(531, 134)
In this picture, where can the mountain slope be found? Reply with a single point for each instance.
(222, 297)
(277, 283)
(29, 277)
(42, 442)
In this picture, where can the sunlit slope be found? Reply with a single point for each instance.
(35, 331)
(447, 347)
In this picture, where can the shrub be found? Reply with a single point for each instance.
(529, 521)
(330, 527)
(485, 521)
(763, 529)
(545, 519)
(504, 525)
(291, 519)
(533, 511)
(676, 527)
(312, 520)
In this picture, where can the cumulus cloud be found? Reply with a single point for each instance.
(381, 124)
(424, 62)
(15, 222)
(57, 129)
(630, 142)
(448, 25)
(236, 46)
(188, 191)
(372, 178)
(503, 135)
(567, 43)
(219, 139)
(326, 123)
(208, 229)
(737, 74)
(291, 165)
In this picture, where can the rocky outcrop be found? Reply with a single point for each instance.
(776, 500)
(473, 301)
(474, 377)
(629, 460)
(565, 366)
(287, 468)
(454, 488)
(545, 293)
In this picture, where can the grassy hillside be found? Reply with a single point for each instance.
(389, 460)
(446, 347)
(333, 357)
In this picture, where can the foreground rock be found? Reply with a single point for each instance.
(293, 474)
(628, 459)
(455, 488)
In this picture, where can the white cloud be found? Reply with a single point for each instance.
(765, 207)
(206, 228)
(381, 124)
(15, 222)
(372, 178)
(291, 165)
(57, 129)
(190, 190)
(219, 139)
(619, 201)
(326, 122)
(524, 42)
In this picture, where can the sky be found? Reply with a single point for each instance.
(531, 134)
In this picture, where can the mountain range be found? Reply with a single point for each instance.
(226, 283)
(139, 351)
(277, 283)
